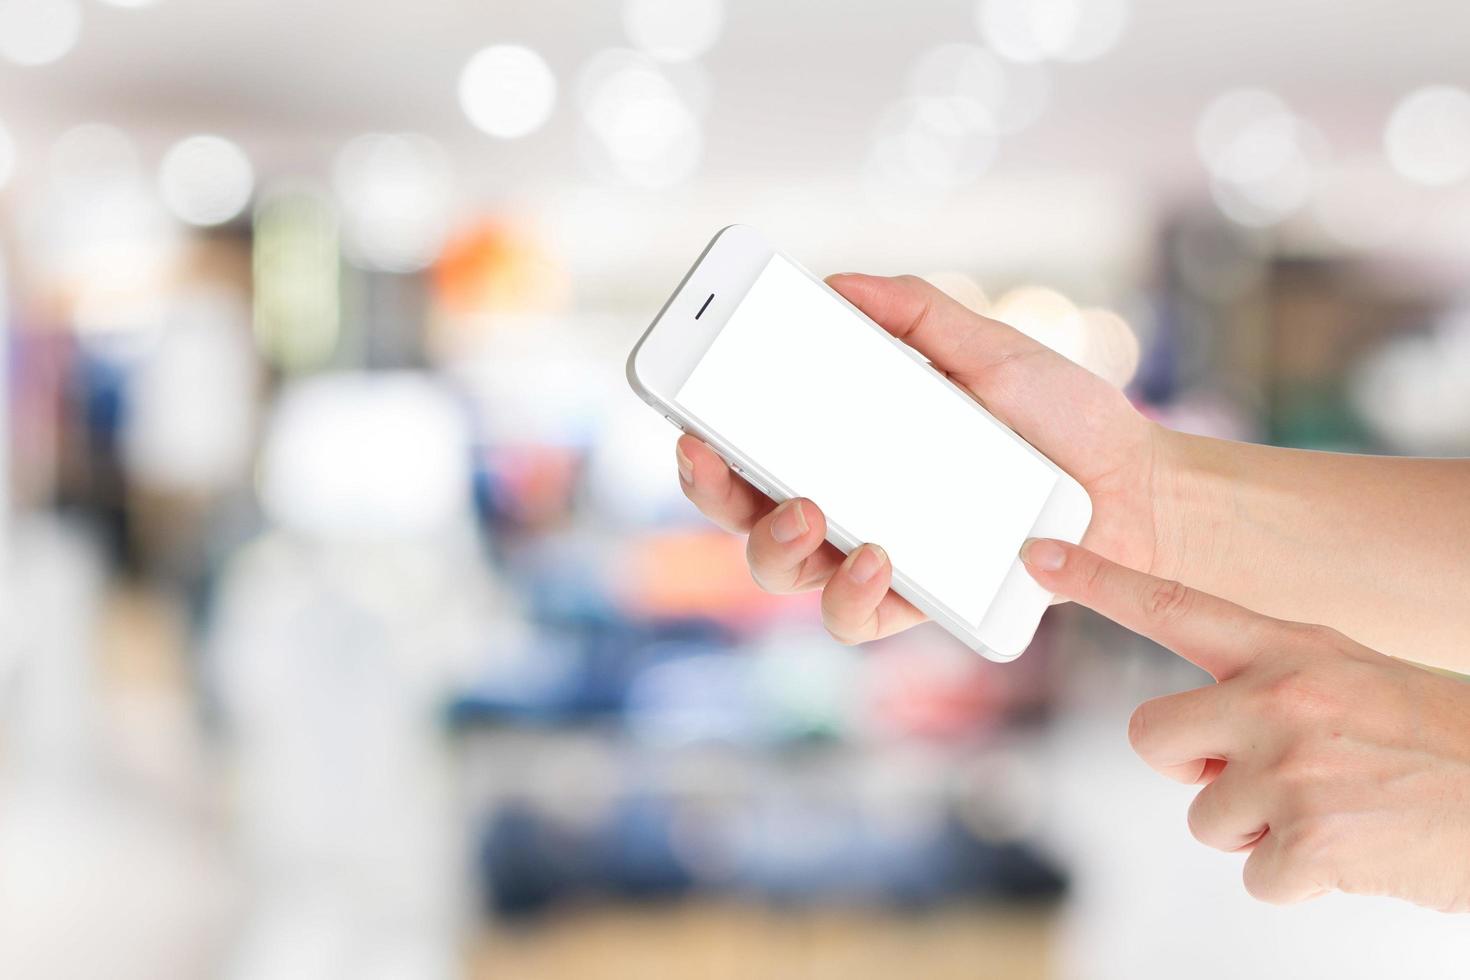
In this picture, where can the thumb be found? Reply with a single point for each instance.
(955, 339)
(1076, 418)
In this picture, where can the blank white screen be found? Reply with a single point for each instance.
(831, 408)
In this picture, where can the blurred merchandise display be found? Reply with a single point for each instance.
(492, 267)
(354, 622)
(781, 830)
(296, 298)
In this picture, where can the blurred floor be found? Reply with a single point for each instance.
(114, 856)
(729, 941)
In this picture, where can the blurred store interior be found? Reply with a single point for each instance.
(353, 623)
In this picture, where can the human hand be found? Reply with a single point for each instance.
(1081, 422)
(1335, 767)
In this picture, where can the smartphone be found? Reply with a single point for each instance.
(803, 395)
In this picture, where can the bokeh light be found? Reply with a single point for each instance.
(1412, 390)
(205, 180)
(1047, 316)
(1099, 340)
(492, 267)
(938, 142)
(962, 288)
(1428, 135)
(1246, 134)
(673, 30)
(641, 123)
(959, 71)
(1083, 30)
(507, 90)
(1009, 27)
(38, 32)
(395, 194)
(1029, 31)
(1260, 156)
(1269, 200)
(98, 235)
(1110, 347)
(92, 156)
(925, 147)
(1014, 95)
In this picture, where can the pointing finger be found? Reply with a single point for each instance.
(1217, 635)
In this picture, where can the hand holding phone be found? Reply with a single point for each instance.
(1084, 425)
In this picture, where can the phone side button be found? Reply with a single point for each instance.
(674, 422)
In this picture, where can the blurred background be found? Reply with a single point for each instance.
(352, 621)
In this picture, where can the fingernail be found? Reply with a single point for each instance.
(865, 562)
(1043, 554)
(686, 465)
(789, 522)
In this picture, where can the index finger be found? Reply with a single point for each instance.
(1206, 630)
(719, 494)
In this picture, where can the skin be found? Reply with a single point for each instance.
(1334, 767)
(1375, 547)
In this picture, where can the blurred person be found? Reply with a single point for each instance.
(1335, 766)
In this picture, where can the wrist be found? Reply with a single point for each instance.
(1195, 502)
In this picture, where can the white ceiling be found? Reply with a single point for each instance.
(795, 88)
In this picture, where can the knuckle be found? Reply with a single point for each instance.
(1294, 863)
(1297, 693)
(841, 625)
(1296, 772)
(761, 582)
(1198, 818)
(779, 583)
(1167, 600)
(842, 632)
(1261, 882)
(1319, 635)
(767, 579)
(1302, 769)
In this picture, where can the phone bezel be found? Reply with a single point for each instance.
(679, 336)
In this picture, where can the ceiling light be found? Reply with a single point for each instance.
(507, 90)
(205, 180)
(673, 30)
(38, 32)
(1428, 136)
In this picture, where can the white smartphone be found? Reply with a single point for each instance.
(803, 395)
